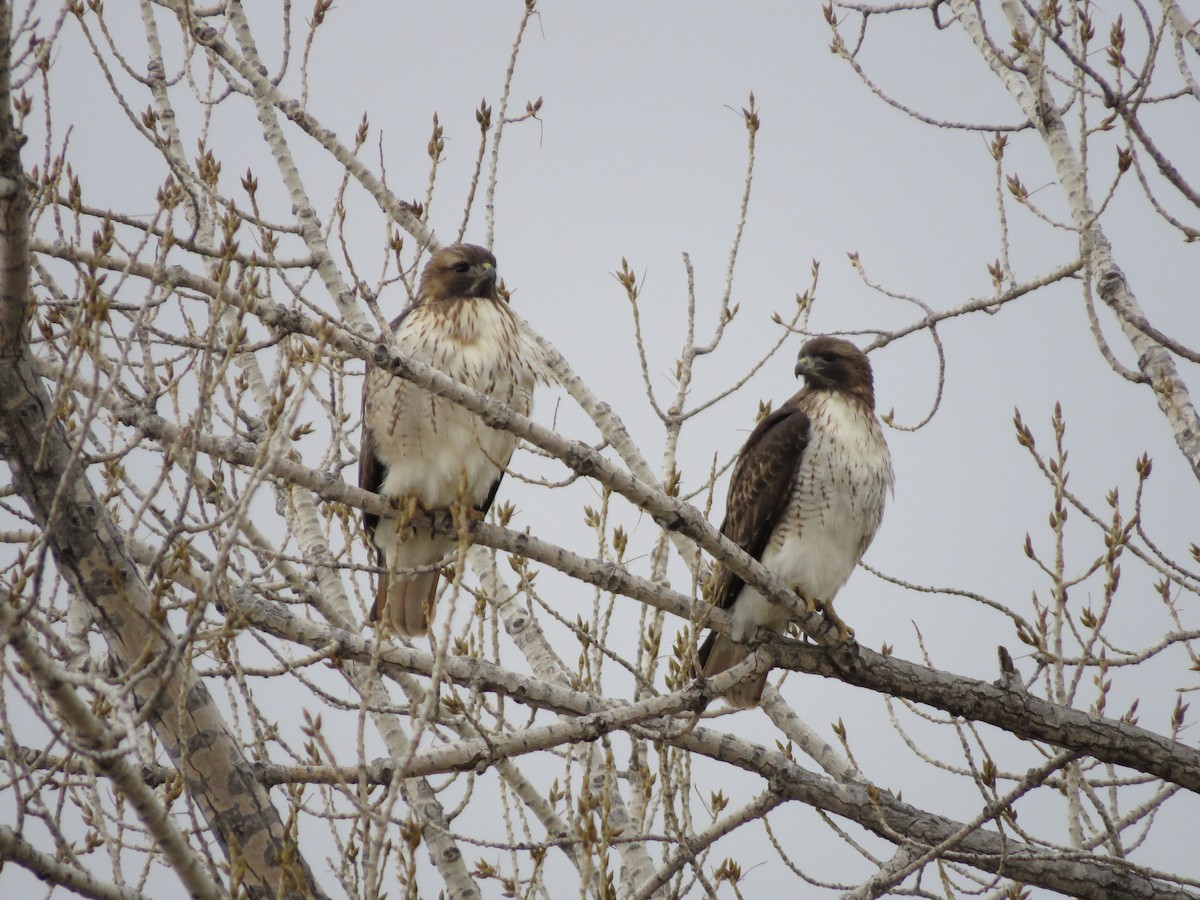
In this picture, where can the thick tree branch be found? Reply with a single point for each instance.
(1018, 712)
(93, 736)
(16, 849)
(1170, 391)
(1103, 739)
(1085, 876)
(88, 550)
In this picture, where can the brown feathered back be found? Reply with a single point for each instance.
(768, 508)
(759, 489)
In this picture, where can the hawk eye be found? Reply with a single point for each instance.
(828, 357)
(462, 267)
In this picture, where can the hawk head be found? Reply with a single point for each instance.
(459, 272)
(833, 364)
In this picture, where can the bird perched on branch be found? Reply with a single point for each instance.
(806, 499)
(428, 452)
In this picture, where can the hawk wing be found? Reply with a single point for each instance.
(370, 467)
(485, 504)
(760, 489)
(427, 449)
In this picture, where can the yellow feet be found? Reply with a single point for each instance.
(825, 607)
(407, 509)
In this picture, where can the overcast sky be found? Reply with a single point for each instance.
(640, 153)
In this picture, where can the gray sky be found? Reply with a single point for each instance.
(640, 153)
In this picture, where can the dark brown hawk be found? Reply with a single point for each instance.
(420, 447)
(806, 498)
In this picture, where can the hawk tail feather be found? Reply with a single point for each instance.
(405, 600)
(718, 653)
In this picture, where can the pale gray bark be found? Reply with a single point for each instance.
(88, 551)
(90, 735)
(1019, 712)
(1032, 93)
(904, 824)
(877, 811)
(14, 849)
(471, 710)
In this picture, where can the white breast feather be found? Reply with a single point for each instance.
(835, 508)
(428, 444)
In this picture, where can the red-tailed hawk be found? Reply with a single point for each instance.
(420, 447)
(806, 498)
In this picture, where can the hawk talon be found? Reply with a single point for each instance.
(424, 454)
(845, 632)
(805, 499)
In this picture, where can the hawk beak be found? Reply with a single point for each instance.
(804, 365)
(486, 280)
